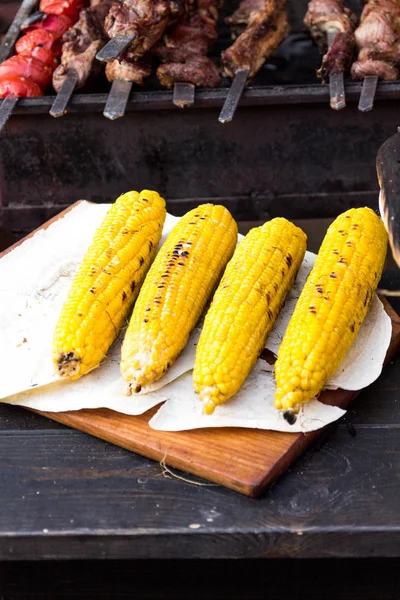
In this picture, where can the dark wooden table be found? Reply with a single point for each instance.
(65, 496)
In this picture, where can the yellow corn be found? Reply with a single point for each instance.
(331, 307)
(107, 282)
(175, 292)
(245, 307)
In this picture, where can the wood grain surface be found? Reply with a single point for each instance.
(244, 460)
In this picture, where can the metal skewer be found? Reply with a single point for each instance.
(368, 91)
(6, 46)
(6, 109)
(117, 99)
(33, 18)
(15, 28)
(114, 48)
(234, 94)
(60, 104)
(183, 95)
(336, 80)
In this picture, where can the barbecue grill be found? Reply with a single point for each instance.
(285, 153)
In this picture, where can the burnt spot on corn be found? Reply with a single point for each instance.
(355, 226)
(123, 296)
(192, 223)
(333, 275)
(168, 365)
(141, 260)
(342, 232)
(181, 264)
(269, 312)
(268, 296)
(92, 290)
(160, 287)
(275, 287)
(175, 253)
(352, 327)
(185, 253)
(80, 314)
(133, 284)
(147, 309)
(150, 245)
(136, 388)
(312, 310)
(289, 260)
(290, 417)
(165, 275)
(342, 260)
(283, 271)
(109, 252)
(349, 243)
(335, 251)
(319, 288)
(145, 320)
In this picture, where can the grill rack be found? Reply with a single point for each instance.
(287, 78)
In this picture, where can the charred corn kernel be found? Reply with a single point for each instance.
(107, 282)
(244, 309)
(331, 307)
(175, 292)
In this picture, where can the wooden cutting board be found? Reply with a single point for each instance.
(245, 460)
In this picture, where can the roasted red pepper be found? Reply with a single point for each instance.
(55, 24)
(69, 8)
(44, 55)
(27, 67)
(38, 37)
(23, 87)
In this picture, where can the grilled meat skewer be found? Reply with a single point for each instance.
(266, 26)
(265, 30)
(331, 25)
(81, 44)
(78, 59)
(124, 73)
(186, 45)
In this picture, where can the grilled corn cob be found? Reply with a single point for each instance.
(107, 282)
(244, 309)
(331, 307)
(175, 292)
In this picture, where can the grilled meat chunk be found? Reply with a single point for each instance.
(239, 20)
(339, 56)
(146, 20)
(129, 69)
(261, 38)
(83, 64)
(378, 40)
(323, 15)
(196, 69)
